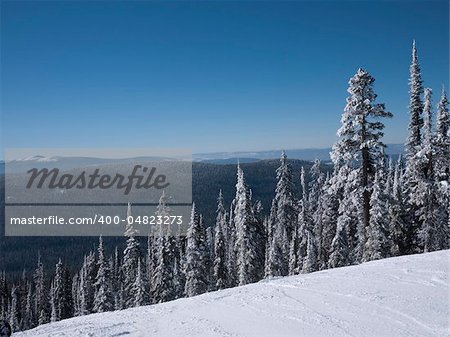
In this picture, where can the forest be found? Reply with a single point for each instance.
(366, 206)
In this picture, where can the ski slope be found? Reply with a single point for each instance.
(403, 296)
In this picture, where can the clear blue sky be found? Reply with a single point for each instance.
(213, 76)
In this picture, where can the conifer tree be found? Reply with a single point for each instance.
(41, 294)
(54, 316)
(415, 164)
(310, 261)
(14, 314)
(131, 256)
(377, 245)
(163, 283)
(220, 262)
(29, 321)
(339, 256)
(231, 247)
(250, 238)
(86, 284)
(360, 140)
(442, 139)
(103, 300)
(396, 208)
(140, 290)
(415, 106)
(195, 268)
(286, 216)
(293, 253)
(304, 227)
(327, 220)
(62, 292)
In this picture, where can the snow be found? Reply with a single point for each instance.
(37, 158)
(402, 296)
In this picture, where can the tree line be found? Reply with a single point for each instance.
(368, 207)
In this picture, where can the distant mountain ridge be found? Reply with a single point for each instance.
(221, 158)
(302, 154)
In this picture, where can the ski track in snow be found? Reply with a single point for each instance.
(403, 296)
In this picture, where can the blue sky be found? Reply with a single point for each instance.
(212, 76)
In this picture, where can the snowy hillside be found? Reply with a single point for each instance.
(404, 296)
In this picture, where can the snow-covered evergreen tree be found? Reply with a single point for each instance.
(273, 256)
(310, 260)
(14, 313)
(140, 290)
(282, 222)
(163, 287)
(360, 142)
(103, 300)
(327, 220)
(40, 294)
(293, 253)
(195, 268)
(220, 254)
(286, 216)
(163, 282)
(415, 106)
(86, 285)
(28, 319)
(339, 256)
(315, 186)
(131, 256)
(377, 245)
(349, 218)
(315, 200)
(442, 139)
(116, 280)
(54, 316)
(62, 293)
(304, 228)
(415, 163)
(396, 206)
(75, 295)
(250, 236)
(426, 198)
(231, 248)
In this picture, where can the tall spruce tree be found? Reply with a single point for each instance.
(250, 236)
(414, 168)
(62, 293)
(103, 300)
(14, 313)
(360, 142)
(163, 283)
(220, 263)
(131, 257)
(140, 290)
(442, 139)
(396, 208)
(86, 285)
(40, 294)
(195, 267)
(415, 105)
(378, 244)
(286, 216)
(327, 220)
(28, 320)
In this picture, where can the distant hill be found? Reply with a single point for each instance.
(302, 154)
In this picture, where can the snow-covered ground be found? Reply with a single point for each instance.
(404, 296)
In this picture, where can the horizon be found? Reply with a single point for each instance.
(195, 156)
